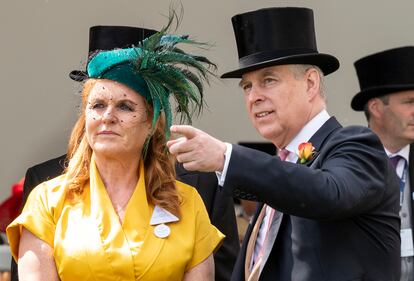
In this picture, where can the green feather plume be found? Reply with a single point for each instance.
(169, 71)
(158, 69)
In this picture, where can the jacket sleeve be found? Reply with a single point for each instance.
(348, 177)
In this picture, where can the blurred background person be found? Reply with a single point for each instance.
(386, 80)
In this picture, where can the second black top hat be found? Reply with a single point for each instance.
(276, 36)
(383, 73)
(109, 37)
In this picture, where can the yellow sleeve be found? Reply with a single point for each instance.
(208, 238)
(36, 217)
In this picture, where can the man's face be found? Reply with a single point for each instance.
(277, 102)
(397, 117)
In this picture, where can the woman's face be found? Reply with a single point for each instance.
(117, 122)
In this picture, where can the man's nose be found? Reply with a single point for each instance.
(255, 95)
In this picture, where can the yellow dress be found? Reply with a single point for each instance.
(89, 242)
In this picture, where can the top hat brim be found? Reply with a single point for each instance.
(359, 100)
(327, 63)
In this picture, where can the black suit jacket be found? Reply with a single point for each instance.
(411, 174)
(338, 218)
(220, 209)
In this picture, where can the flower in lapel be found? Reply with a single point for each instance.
(306, 152)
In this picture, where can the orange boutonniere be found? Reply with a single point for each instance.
(306, 152)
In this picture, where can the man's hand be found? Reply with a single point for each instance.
(197, 150)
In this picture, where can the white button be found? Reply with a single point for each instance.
(162, 231)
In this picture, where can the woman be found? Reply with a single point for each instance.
(118, 213)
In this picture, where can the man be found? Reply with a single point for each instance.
(219, 208)
(330, 210)
(387, 99)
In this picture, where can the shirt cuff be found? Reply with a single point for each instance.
(222, 176)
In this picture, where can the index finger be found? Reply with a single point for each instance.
(186, 130)
(174, 141)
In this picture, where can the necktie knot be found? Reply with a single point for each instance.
(283, 153)
(394, 160)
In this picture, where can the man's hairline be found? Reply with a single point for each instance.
(290, 66)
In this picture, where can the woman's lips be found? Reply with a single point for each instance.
(107, 133)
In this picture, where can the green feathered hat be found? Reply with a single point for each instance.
(157, 69)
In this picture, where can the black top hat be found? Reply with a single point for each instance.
(104, 38)
(383, 73)
(276, 36)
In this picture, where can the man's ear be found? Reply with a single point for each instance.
(313, 81)
(375, 106)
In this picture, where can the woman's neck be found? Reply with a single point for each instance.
(118, 174)
(120, 177)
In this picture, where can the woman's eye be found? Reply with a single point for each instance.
(125, 107)
(97, 105)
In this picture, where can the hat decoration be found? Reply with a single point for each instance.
(158, 69)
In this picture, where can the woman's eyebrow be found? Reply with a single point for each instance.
(128, 101)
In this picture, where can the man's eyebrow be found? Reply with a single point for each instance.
(242, 82)
(267, 72)
(262, 74)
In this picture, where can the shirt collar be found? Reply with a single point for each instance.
(306, 133)
(403, 152)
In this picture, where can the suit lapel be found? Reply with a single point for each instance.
(317, 140)
(411, 165)
(271, 237)
(322, 135)
(411, 175)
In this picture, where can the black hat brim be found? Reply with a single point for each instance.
(327, 63)
(78, 75)
(359, 100)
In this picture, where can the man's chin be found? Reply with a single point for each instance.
(268, 134)
(410, 139)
